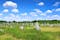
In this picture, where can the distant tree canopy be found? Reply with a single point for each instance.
(3, 21)
(39, 21)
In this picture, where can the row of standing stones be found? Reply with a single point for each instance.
(36, 25)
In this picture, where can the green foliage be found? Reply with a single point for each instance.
(29, 32)
(40, 21)
(1, 33)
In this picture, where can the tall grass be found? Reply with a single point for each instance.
(29, 32)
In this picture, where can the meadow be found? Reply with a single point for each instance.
(12, 31)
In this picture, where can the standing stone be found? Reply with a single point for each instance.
(21, 27)
(51, 25)
(37, 26)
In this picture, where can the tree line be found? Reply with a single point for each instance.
(39, 21)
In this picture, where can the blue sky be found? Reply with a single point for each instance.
(28, 10)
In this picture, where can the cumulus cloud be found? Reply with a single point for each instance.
(1, 14)
(53, 17)
(27, 18)
(58, 9)
(37, 10)
(10, 4)
(48, 11)
(56, 17)
(12, 15)
(38, 13)
(24, 14)
(15, 10)
(33, 14)
(56, 4)
(43, 14)
(7, 18)
(41, 3)
(5, 11)
(17, 18)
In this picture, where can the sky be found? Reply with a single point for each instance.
(29, 10)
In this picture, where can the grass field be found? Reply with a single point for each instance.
(50, 29)
(28, 33)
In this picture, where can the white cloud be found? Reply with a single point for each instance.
(58, 9)
(36, 14)
(10, 4)
(23, 14)
(15, 10)
(27, 18)
(56, 17)
(53, 17)
(17, 18)
(12, 15)
(5, 11)
(37, 10)
(7, 18)
(48, 11)
(33, 14)
(41, 3)
(1, 14)
(56, 4)
(43, 14)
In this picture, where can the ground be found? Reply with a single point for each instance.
(13, 32)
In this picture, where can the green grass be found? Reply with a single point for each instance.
(50, 29)
(50, 36)
(29, 33)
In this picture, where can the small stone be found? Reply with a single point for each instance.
(21, 27)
